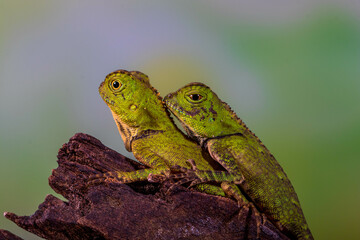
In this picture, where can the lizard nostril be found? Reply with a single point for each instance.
(169, 96)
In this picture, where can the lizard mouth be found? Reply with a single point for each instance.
(174, 108)
(104, 96)
(107, 99)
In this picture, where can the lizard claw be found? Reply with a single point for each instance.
(188, 175)
(178, 168)
(195, 182)
(95, 179)
(192, 163)
(259, 218)
(178, 183)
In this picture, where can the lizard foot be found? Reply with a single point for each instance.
(108, 177)
(246, 211)
(187, 175)
(259, 218)
(156, 178)
(193, 164)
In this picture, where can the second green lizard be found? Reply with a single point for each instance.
(217, 128)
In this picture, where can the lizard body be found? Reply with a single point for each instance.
(217, 128)
(149, 132)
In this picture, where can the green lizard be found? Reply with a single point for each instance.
(217, 128)
(149, 132)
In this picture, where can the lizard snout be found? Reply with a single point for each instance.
(169, 96)
(101, 85)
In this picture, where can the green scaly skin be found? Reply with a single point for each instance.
(148, 131)
(217, 128)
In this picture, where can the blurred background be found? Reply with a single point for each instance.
(289, 69)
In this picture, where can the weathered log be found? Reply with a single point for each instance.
(129, 211)
(6, 235)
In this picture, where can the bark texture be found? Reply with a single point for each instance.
(129, 211)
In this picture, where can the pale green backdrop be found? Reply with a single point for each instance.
(289, 69)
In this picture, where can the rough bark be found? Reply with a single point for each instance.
(8, 235)
(129, 211)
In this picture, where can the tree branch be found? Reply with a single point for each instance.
(129, 211)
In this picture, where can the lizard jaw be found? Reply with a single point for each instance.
(107, 100)
(173, 108)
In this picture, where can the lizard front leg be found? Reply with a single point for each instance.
(158, 166)
(198, 177)
(126, 177)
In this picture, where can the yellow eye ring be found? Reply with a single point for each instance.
(115, 84)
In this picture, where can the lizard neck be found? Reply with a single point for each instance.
(238, 126)
(231, 123)
(155, 119)
(126, 132)
(204, 141)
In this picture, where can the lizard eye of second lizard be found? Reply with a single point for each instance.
(195, 97)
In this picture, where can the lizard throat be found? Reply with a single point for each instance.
(126, 132)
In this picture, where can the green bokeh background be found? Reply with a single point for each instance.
(289, 69)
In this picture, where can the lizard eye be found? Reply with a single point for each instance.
(115, 85)
(195, 97)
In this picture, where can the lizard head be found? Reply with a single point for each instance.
(134, 103)
(200, 111)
